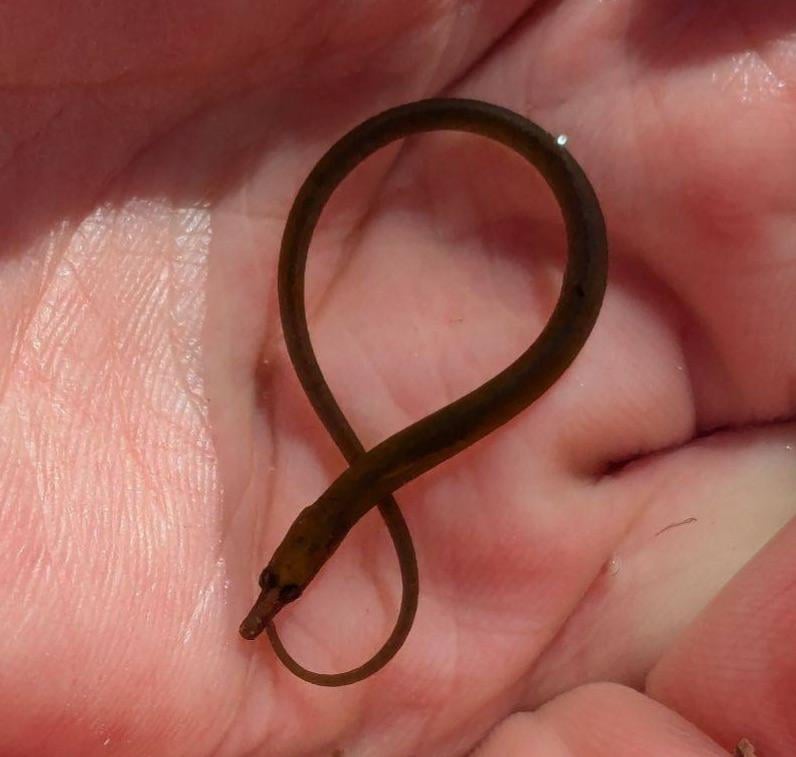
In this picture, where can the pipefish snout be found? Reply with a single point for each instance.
(373, 476)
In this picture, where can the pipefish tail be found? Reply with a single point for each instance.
(373, 475)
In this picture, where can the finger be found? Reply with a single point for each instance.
(733, 672)
(599, 720)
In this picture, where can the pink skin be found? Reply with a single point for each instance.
(147, 160)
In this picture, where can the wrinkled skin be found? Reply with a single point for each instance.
(156, 445)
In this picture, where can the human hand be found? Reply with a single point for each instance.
(157, 445)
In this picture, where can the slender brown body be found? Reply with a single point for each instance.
(374, 475)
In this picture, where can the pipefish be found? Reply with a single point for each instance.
(373, 475)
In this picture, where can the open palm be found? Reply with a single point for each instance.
(579, 565)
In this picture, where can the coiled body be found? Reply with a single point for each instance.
(374, 475)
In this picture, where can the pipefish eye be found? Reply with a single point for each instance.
(267, 580)
(289, 593)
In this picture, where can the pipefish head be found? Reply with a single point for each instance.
(274, 595)
(306, 546)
